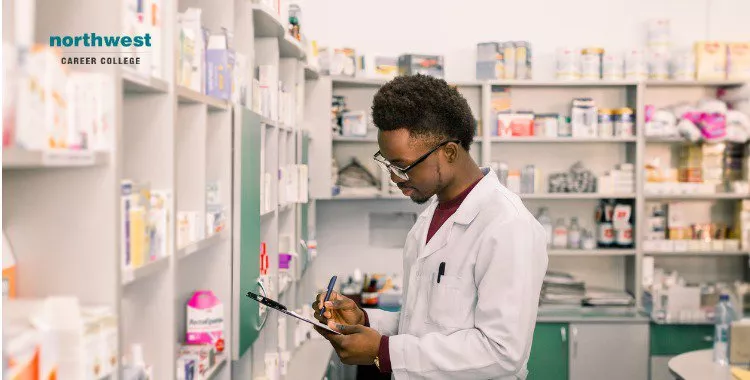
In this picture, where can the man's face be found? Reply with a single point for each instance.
(425, 179)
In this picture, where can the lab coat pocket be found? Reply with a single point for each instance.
(450, 304)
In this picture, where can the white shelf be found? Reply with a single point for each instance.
(266, 21)
(134, 82)
(286, 207)
(367, 197)
(130, 276)
(696, 253)
(592, 252)
(220, 362)
(289, 47)
(189, 96)
(570, 196)
(311, 73)
(268, 213)
(15, 158)
(268, 122)
(310, 360)
(201, 245)
(355, 139)
(694, 83)
(344, 81)
(697, 197)
(563, 140)
(560, 83)
(666, 140)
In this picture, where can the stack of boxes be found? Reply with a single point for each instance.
(620, 180)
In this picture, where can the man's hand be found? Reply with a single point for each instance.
(358, 346)
(339, 309)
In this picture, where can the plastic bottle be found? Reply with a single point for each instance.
(546, 222)
(560, 235)
(574, 234)
(722, 320)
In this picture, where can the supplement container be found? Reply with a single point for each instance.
(635, 65)
(659, 34)
(658, 65)
(591, 63)
(546, 124)
(523, 59)
(568, 64)
(683, 66)
(613, 67)
(624, 124)
(509, 59)
(606, 126)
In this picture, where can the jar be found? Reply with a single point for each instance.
(613, 67)
(546, 125)
(635, 65)
(605, 123)
(568, 64)
(658, 66)
(683, 66)
(591, 63)
(623, 119)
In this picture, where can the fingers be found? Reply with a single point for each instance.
(344, 329)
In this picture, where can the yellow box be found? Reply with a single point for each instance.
(710, 60)
(738, 60)
(739, 343)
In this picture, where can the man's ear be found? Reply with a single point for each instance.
(451, 152)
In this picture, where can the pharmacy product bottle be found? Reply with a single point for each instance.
(574, 234)
(546, 222)
(605, 230)
(723, 318)
(560, 235)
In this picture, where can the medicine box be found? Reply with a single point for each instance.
(710, 60)
(738, 60)
(489, 61)
(739, 343)
(220, 60)
(411, 64)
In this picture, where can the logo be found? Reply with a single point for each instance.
(92, 48)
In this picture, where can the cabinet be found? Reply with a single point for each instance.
(668, 341)
(619, 350)
(581, 351)
(549, 352)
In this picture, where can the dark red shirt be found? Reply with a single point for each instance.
(442, 213)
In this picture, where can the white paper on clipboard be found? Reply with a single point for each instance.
(314, 322)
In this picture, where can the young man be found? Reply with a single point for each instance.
(473, 262)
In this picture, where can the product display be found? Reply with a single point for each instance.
(205, 320)
(504, 60)
(668, 230)
(220, 66)
(145, 225)
(144, 17)
(410, 64)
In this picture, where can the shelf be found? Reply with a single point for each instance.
(567, 196)
(697, 253)
(666, 139)
(311, 72)
(190, 96)
(286, 207)
(268, 213)
(563, 140)
(268, 122)
(310, 360)
(694, 83)
(134, 82)
(344, 81)
(592, 252)
(266, 21)
(201, 245)
(367, 197)
(290, 48)
(697, 197)
(130, 276)
(220, 362)
(355, 139)
(16, 158)
(561, 83)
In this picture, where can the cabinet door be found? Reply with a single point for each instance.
(609, 351)
(549, 352)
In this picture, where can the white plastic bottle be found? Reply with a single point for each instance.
(574, 234)
(722, 320)
(560, 235)
(546, 222)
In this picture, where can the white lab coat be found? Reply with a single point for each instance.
(478, 322)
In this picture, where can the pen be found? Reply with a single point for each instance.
(328, 294)
(266, 301)
(441, 271)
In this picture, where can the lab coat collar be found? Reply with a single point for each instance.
(465, 214)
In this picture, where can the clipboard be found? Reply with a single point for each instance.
(281, 308)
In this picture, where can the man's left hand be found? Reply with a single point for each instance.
(358, 345)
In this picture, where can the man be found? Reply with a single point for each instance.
(473, 262)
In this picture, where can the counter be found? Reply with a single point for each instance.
(592, 315)
(310, 360)
(698, 365)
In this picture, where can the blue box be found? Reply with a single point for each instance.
(219, 73)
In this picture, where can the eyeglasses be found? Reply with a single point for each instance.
(402, 172)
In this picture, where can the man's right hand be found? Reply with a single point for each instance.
(339, 309)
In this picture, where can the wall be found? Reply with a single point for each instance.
(453, 28)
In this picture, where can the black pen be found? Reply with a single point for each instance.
(441, 271)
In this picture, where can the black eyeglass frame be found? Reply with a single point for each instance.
(387, 165)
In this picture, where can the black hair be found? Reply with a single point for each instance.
(425, 106)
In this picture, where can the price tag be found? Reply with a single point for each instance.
(67, 158)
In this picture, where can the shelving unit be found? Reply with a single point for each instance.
(166, 137)
(616, 268)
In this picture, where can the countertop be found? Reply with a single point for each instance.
(593, 315)
(698, 365)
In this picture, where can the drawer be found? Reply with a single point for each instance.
(678, 339)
